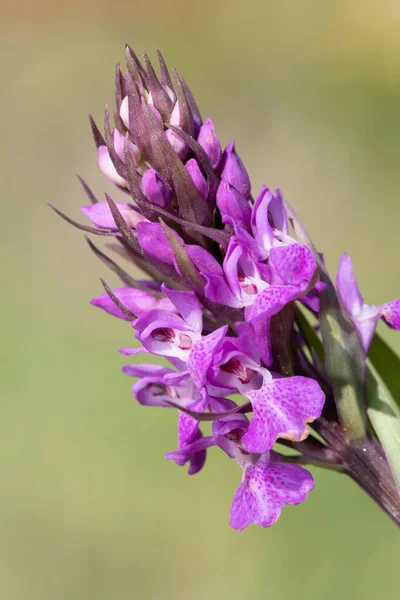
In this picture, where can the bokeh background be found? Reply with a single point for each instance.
(89, 509)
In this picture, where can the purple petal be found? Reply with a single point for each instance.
(233, 171)
(100, 215)
(282, 408)
(178, 145)
(156, 189)
(138, 301)
(260, 224)
(201, 355)
(217, 290)
(292, 264)
(195, 452)
(107, 167)
(199, 181)
(152, 240)
(347, 286)
(203, 260)
(119, 145)
(242, 272)
(265, 489)
(146, 370)
(188, 306)
(391, 314)
(210, 143)
(271, 300)
(132, 351)
(165, 334)
(233, 204)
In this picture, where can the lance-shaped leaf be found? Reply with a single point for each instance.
(386, 424)
(117, 302)
(105, 232)
(117, 162)
(191, 205)
(88, 191)
(120, 91)
(157, 271)
(135, 68)
(161, 100)
(98, 138)
(186, 117)
(192, 103)
(123, 226)
(165, 76)
(183, 262)
(212, 416)
(121, 273)
(387, 364)
(137, 119)
(344, 358)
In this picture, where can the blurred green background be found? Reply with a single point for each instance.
(89, 509)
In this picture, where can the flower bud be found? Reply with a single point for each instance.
(173, 138)
(105, 163)
(100, 215)
(197, 177)
(124, 110)
(119, 145)
(234, 172)
(177, 143)
(230, 202)
(156, 189)
(210, 143)
(107, 167)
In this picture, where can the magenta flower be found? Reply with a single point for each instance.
(364, 316)
(226, 281)
(267, 487)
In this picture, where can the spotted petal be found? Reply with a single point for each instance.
(282, 408)
(265, 489)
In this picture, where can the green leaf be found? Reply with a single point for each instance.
(385, 422)
(387, 364)
(344, 359)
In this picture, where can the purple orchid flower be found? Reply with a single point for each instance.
(267, 483)
(220, 302)
(364, 316)
(245, 276)
(168, 334)
(267, 486)
(282, 406)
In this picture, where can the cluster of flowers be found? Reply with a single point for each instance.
(224, 274)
